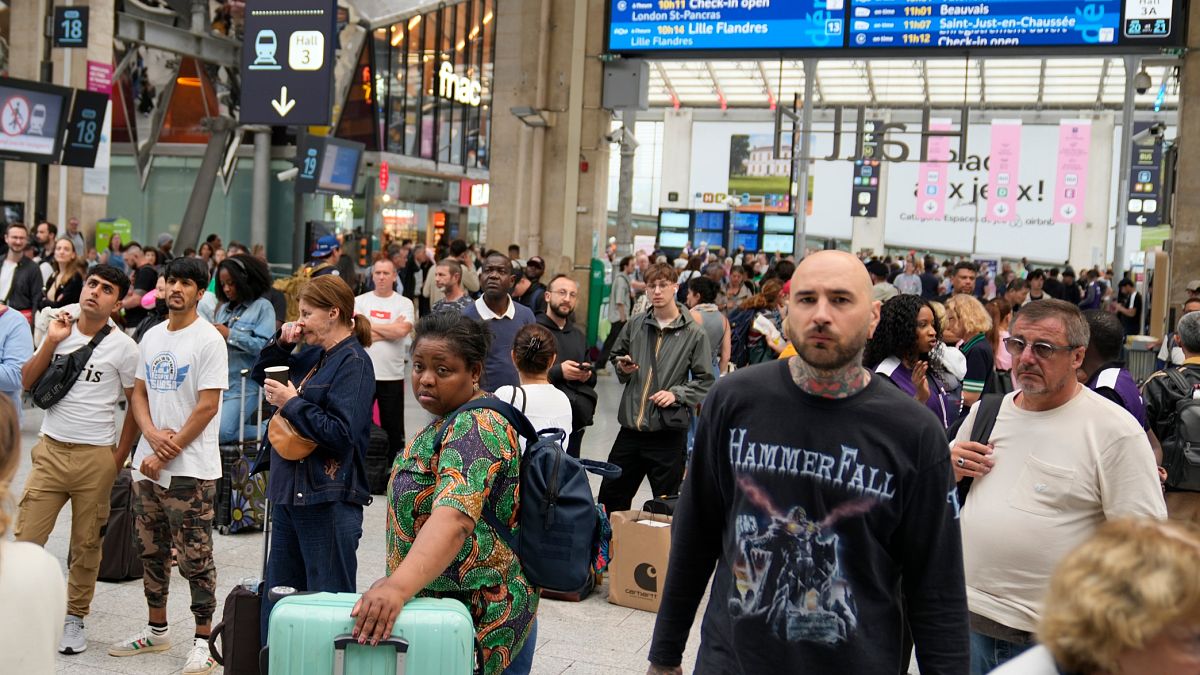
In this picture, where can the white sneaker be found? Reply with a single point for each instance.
(200, 660)
(73, 640)
(145, 642)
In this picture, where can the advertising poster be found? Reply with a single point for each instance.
(1005, 165)
(1070, 186)
(931, 185)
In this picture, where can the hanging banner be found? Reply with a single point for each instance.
(1002, 176)
(1074, 146)
(933, 175)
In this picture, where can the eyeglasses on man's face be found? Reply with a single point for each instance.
(1042, 350)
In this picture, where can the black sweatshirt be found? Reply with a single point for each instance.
(817, 513)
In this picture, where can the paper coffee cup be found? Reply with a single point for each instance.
(277, 373)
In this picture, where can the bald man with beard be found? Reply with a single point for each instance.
(824, 499)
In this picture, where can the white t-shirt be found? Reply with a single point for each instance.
(176, 367)
(389, 357)
(1058, 475)
(1171, 353)
(87, 414)
(7, 270)
(544, 405)
(33, 603)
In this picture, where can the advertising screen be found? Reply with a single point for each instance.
(778, 243)
(31, 117)
(709, 25)
(780, 224)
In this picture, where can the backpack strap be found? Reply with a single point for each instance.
(517, 419)
(1178, 380)
(988, 409)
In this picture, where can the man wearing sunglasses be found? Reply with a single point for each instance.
(1060, 461)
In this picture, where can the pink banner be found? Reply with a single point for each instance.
(1074, 146)
(934, 175)
(1002, 176)
(99, 77)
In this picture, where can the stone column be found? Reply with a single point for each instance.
(559, 215)
(1185, 235)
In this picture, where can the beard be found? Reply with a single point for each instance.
(834, 355)
(561, 311)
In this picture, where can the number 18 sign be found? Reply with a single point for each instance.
(70, 26)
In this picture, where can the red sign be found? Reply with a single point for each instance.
(383, 177)
(99, 77)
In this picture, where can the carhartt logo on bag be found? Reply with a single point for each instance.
(645, 576)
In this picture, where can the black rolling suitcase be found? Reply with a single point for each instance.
(241, 497)
(239, 628)
(379, 461)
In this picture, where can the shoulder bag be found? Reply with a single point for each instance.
(289, 443)
(63, 371)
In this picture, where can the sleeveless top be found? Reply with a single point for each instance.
(711, 320)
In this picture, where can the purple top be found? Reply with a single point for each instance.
(943, 404)
(1115, 383)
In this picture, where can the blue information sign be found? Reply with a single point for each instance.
(705, 25)
(699, 26)
(994, 23)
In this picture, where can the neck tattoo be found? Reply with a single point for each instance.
(840, 383)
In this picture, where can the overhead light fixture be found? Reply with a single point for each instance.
(538, 119)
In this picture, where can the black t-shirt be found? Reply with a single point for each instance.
(144, 280)
(816, 514)
(929, 286)
(1131, 324)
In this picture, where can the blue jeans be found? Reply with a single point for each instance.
(231, 411)
(313, 548)
(988, 653)
(522, 663)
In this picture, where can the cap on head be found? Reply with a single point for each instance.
(164, 239)
(1194, 285)
(537, 262)
(325, 246)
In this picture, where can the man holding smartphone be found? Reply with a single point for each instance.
(572, 373)
(664, 360)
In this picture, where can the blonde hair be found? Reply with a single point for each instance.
(1120, 589)
(10, 452)
(972, 317)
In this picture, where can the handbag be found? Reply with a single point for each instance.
(289, 443)
(62, 373)
(675, 417)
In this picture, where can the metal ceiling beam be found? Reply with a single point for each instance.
(712, 72)
(925, 79)
(982, 81)
(1041, 84)
(866, 67)
(1100, 85)
(762, 73)
(209, 48)
(662, 72)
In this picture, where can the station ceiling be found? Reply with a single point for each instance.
(1059, 83)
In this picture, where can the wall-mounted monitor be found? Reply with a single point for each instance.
(339, 166)
(31, 120)
(672, 239)
(674, 220)
(778, 243)
(779, 224)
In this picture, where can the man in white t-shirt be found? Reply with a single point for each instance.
(1060, 461)
(176, 402)
(392, 317)
(78, 455)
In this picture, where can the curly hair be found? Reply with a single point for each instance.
(896, 334)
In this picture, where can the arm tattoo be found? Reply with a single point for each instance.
(840, 383)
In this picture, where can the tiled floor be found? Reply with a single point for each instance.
(577, 638)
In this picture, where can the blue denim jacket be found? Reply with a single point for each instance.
(334, 409)
(250, 327)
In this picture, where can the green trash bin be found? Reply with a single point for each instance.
(599, 291)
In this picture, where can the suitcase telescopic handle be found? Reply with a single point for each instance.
(346, 639)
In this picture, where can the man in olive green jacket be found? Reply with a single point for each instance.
(664, 360)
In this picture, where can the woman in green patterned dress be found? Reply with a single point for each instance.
(438, 542)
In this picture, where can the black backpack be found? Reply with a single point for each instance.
(1181, 450)
(63, 371)
(559, 536)
(740, 322)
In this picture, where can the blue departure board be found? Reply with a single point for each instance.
(727, 25)
(994, 23)
(697, 27)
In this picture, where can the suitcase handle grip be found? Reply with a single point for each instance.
(346, 639)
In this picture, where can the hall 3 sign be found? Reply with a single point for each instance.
(459, 88)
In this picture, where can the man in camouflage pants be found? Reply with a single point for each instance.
(176, 402)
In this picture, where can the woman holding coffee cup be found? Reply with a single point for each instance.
(317, 440)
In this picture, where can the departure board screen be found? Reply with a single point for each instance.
(994, 23)
(696, 27)
(708, 25)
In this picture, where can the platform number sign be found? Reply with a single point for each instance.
(70, 26)
(84, 128)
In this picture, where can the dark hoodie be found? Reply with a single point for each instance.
(572, 346)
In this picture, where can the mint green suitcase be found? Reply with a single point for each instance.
(310, 635)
